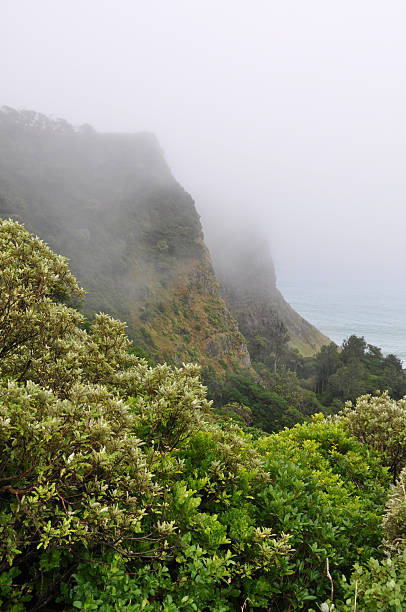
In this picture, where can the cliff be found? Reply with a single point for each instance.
(111, 205)
(246, 273)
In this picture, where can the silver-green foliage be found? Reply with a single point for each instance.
(394, 521)
(380, 422)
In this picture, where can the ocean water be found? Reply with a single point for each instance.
(374, 310)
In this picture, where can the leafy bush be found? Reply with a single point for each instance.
(380, 422)
(378, 586)
(74, 476)
(394, 521)
(327, 491)
(381, 585)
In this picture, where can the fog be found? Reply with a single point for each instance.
(288, 115)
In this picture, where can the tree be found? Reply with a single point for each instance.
(327, 362)
(348, 382)
(393, 380)
(394, 362)
(36, 334)
(353, 348)
(42, 340)
(279, 341)
(380, 422)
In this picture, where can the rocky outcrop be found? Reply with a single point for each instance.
(111, 205)
(247, 277)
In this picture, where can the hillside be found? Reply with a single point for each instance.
(245, 270)
(111, 205)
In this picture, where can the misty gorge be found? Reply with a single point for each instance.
(202, 322)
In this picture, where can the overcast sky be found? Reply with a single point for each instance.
(292, 112)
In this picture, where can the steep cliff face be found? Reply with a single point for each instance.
(110, 204)
(247, 277)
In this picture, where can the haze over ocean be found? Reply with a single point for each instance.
(341, 307)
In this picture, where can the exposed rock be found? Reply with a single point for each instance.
(248, 282)
(111, 205)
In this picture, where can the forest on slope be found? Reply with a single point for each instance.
(121, 489)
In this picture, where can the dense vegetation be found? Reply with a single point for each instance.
(120, 488)
(286, 388)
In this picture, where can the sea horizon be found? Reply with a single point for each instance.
(342, 307)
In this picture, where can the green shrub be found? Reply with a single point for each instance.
(328, 509)
(377, 586)
(380, 422)
(394, 521)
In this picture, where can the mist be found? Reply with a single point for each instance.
(284, 116)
